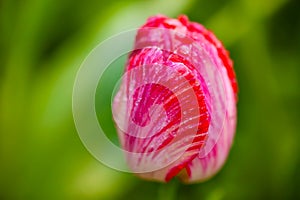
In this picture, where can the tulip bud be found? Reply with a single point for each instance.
(175, 110)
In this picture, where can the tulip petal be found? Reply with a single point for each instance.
(175, 111)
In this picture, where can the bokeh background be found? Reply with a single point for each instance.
(42, 44)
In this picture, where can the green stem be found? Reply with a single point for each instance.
(168, 191)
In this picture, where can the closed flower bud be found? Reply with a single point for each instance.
(175, 110)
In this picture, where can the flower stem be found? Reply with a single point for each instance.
(168, 191)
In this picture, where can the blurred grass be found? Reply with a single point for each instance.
(42, 44)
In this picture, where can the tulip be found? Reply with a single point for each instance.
(175, 111)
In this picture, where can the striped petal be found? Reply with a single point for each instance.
(175, 111)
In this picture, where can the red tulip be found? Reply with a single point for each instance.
(175, 110)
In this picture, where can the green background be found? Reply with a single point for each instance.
(42, 44)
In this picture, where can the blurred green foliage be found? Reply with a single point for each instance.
(42, 44)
